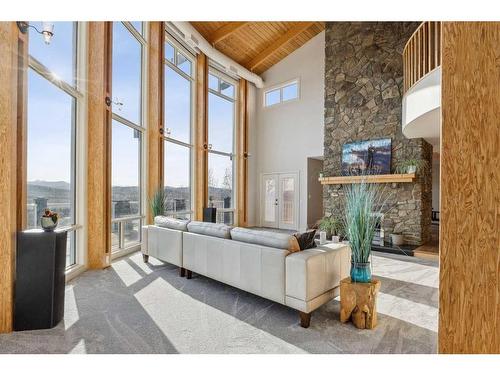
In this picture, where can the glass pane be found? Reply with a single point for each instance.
(50, 152)
(177, 177)
(220, 181)
(225, 217)
(220, 123)
(270, 200)
(213, 82)
(227, 89)
(183, 63)
(125, 170)
(60, 55)
(137, 25)
(177, 105)
(290, 92)
(170, 52)
(115, 236)
(71, 249)
(126, 74)
(272, 97)
(131, 233)
(288, 199)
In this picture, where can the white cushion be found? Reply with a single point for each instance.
(210, 229)
(263, 237)
(170, 223)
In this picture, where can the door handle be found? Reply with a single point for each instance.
(276, 202)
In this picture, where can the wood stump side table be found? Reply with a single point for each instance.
(358, 302)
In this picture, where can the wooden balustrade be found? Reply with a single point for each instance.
(422, 53)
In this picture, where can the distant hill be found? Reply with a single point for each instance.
(52, 184)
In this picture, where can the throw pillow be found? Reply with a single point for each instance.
(306, 239)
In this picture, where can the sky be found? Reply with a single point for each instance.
(51, 112)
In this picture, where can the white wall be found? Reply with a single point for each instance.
(282, 137)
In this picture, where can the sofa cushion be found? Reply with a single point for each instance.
(306, 239)
(266, 238)
(170, 223)
(210, 229)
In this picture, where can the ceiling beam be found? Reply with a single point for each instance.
(277, 44)
(224, 31)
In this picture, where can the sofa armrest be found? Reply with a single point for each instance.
(313, 272)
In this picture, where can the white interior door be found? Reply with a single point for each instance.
(280, 200)
(288, 201)
(269, 194)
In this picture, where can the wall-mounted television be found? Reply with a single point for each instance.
(367, 157)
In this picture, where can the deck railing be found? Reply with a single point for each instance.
(422, 53)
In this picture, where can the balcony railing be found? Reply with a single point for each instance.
(422, 53)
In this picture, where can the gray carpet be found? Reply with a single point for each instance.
(137, 308)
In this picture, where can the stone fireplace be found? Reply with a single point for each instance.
(363, 97)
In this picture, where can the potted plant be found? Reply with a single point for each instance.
(333, 228)
(158, 203)
(362, 201)
(397, 239)
(321, 174)
(411, 165)
(49, 220)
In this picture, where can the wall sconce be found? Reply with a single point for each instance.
(47, 30)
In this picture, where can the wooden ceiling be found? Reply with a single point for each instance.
(258, 45)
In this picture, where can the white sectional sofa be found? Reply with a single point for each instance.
(263, 263)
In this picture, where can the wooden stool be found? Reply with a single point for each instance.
(358, 302)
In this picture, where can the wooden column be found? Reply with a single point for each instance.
(469, 287)
(242, 154)
(201, 137)
(12, 78)
(155, 111)
(99, 144)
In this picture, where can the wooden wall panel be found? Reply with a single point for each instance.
(201, 137)
(242, 154)
(99, 145)
(469, 290)
(155, 111)
(8, 169)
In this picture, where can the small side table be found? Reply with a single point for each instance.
(40, 279)
(358, 302)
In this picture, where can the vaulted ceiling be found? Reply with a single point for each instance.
(258, 45)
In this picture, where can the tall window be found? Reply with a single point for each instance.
(221, 125)
(179, 81)
(54, 98)
(127, 134)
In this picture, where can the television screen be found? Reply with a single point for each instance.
(367, 157)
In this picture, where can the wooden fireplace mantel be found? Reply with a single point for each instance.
(373, 179)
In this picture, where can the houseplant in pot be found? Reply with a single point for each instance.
(333, 228)
(362, 202)
(49, 220)
(158, 203)
(411, 165)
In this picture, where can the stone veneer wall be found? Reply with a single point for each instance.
(363, 97)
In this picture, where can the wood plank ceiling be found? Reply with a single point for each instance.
(258, 45)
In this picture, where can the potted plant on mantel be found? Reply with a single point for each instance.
(411, 165)
(333, 228)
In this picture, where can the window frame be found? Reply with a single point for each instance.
(232, 155)
(76, 90)
(280, 87)
(178, 47)
(123, 249)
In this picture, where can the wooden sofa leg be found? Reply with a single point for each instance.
(305, 319)
(145, 258)
(189, 274)
(182, 271)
